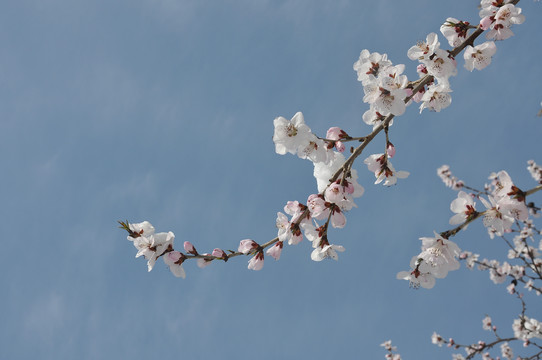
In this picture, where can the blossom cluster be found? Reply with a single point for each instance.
(505, 205)
(334, 197)
(506, 213)
(388, 92)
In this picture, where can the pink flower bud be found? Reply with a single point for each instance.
(340, 146)
(333, 133)
(246, 246)
(219, 253)
(275, 250)
(390, 150)
(175, 257)
(408, 91)
(189, 248)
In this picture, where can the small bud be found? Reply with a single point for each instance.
(340, 146)
(189, 248)
(390, 150)
(247, 246)
(219, 253)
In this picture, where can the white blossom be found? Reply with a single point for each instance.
(479, 57)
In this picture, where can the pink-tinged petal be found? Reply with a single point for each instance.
(275, 250)
(189, 248)
(256, 263)
(172, 257)
(178, 271)
(247, 246)
(295, 239)
(486, 22)
(422, 69)
(333, 133)
(202, 262)
(219, 253)
(174, 261)
(390, 150)
(457, 219)
(338, 220)
(340, 146)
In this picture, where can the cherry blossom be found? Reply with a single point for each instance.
(318, 206)
(288, 231)
(369, 65)
(387, 93)
(247, 246)
(324, 172)
(454, 31)
(441, 254)
(290, 135)
(275, 250)
(479, 57)
(506, 16)
(315, 149)
(374, 118)
(256, 263)
(189, 248)
(441, 66)
(383, 169)
(144, 228)
(448, 178)
(436, 97)
(506, 351)
(419, 274)
(220, 254)
(153, 246)
(326, 251)
(437, 339)
(464, 207)
(335, 133)
(535, 171)
(486, 323)
(174, 260)
(385, 90)
(495, 218)
(423, 50)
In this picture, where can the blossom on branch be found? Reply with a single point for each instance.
(322, 252)
(148, 243)
(256, 263)
(464, 207)
(369, 65)
(479, 57)
(419, 274)
(174, 261)
(290, 135)
(436, 97)
(455, 31)
(383, 169)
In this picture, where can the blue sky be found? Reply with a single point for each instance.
(163, 111)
